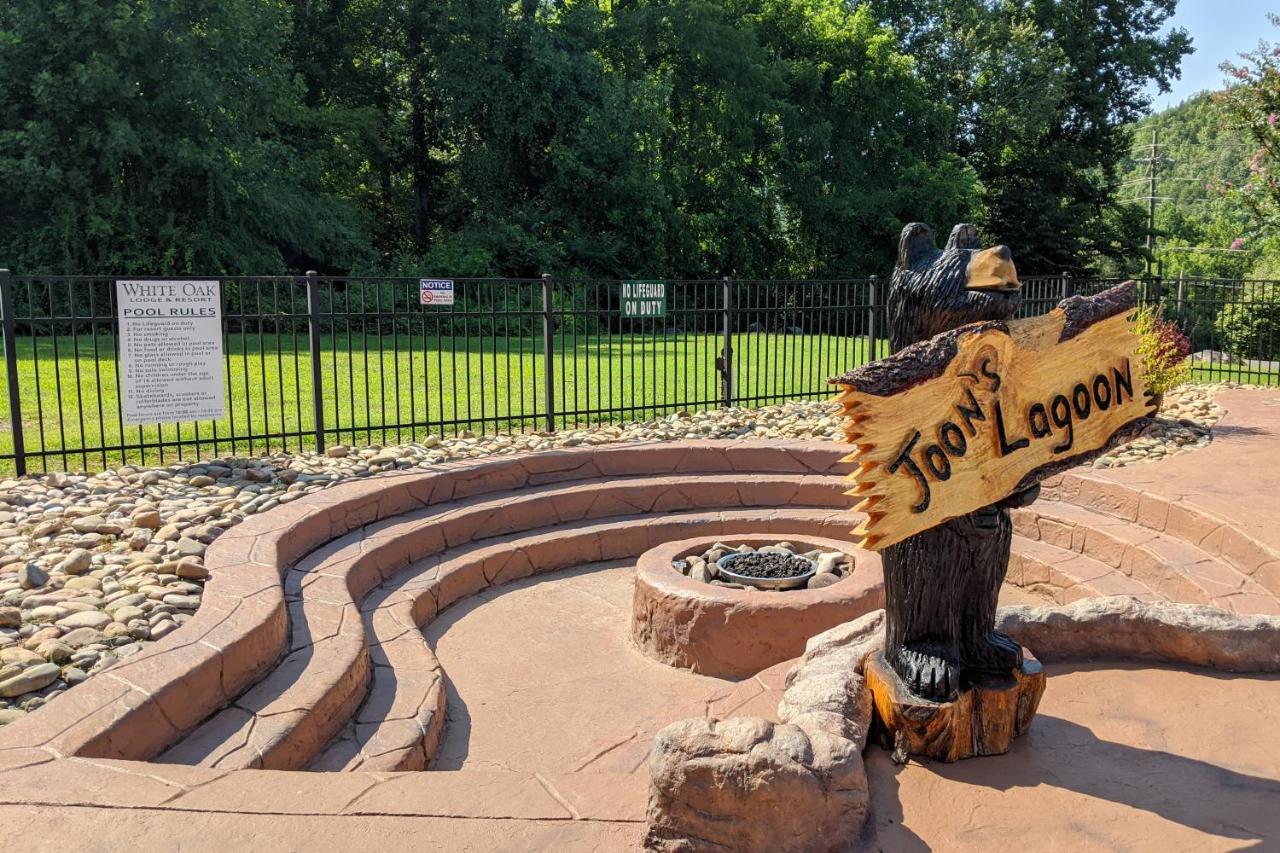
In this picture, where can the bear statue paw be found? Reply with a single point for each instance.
(995, 653)
(928, 675)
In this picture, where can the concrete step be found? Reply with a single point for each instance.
(399, 724)
(1177, 518)
(283, 721)
(1166, 565)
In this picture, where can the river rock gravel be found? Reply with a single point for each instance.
(94, 567)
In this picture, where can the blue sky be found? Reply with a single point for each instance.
(1220, 30)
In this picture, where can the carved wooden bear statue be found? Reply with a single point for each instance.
(941, 585)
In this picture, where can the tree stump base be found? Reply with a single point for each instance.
(982, 720)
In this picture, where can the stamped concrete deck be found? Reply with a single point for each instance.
(595, 703)
(1120, 757)
(308, 653)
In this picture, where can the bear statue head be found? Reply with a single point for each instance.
(933, 291)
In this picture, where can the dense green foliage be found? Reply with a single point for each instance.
(141, 136)
(1040, 92)
(1249, 325)
(1252, 108)
(647, 137)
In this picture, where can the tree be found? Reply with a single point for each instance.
(1041, 91)
(149, 136)
(1252, 107)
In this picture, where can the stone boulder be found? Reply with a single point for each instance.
(748, 784)
(1126, 628)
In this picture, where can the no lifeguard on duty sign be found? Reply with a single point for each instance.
(435, 291)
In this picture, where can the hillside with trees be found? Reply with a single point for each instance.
(681, 138)
(1218, 202)
(1200, 231)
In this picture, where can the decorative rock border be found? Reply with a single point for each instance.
(733, 633)
(153, 699)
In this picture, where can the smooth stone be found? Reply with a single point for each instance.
(54, 651)
(188, 547)
(114, 630)
(132, 599)
(827, 562)
(88, 524)
(146, 518)
(75, 563)
(80, 637)
(192, 571)
(10, 617)
(126, 614)
(823, 580)
(29, 680)
(31, 576)
(163, 629)
(83, 582)
(46, 613)
(86, 619)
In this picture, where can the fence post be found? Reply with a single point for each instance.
(727, 352)
(1066, 284)
(1182, 293)
(548, 349)
(873, 330)
(11, 372)
(313, 327)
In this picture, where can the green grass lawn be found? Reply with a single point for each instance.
(406, 388)
(1203, 372)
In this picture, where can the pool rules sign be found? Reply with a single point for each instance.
(170, 351)
(960, 421)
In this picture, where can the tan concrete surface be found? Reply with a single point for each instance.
(1246, 443)
(542, 677)
(112, 830)
(1119, 758)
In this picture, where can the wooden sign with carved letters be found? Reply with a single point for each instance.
(965, 419)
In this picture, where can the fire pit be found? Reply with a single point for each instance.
(767, 569)
(693, 609)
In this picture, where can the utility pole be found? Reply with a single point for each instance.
(1153, 160)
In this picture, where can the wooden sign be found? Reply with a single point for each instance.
(965, 419)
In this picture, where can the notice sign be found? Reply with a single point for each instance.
(969, 417)
(170, 351)
(435, 291)
(644, 299)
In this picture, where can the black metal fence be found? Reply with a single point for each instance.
(311, 361)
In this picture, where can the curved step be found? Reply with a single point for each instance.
(1178, 519)
(1063, 576)
(1172, 568)
(406, 740)
(328, 665)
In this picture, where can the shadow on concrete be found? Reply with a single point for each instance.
(1062, 754)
